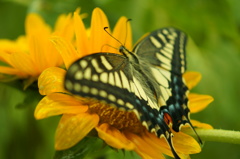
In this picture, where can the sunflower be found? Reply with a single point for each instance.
(30, 54)
(119, 129)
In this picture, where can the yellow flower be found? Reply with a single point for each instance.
(95, 39)
(119, 129)
(27, 56)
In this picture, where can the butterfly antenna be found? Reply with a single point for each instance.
(128, 20)
(122, 48)
(105, 28)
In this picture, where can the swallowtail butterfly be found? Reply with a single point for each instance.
(147, 80)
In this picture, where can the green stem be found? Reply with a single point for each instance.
(216, 135)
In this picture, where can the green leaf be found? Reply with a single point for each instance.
(89, 147)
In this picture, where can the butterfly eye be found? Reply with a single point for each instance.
(121, 49)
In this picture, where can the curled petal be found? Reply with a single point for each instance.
(198, 102)
(72, 128)
(114, 137)
(56, 104)
(51, 80)
(192, 79)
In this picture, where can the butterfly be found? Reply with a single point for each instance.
(147, 80)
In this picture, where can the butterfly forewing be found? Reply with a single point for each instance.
(99, 76)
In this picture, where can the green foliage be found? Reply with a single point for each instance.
(92, 147)
(89, 146)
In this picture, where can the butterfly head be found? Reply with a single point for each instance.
(128, 54)
(122, 49)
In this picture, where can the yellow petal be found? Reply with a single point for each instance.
(56, 104)
(192, 79)
(66, 49)
(38, 33)
(12, 71)
(98, 37)
(39, 51)
(114, 137)
(185, 144)
(160, 144)
(81, 36)
(24, 63)
(35, 24)
(51, 80)
(144, 149)
(21, 44)
(7, 47)
(201, 125)
(198, 102)
(12, 53)
(73, 128)
(64, 26)
(43, 52)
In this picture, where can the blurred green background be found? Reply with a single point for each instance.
(213, 49)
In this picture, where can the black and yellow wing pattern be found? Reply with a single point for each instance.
(147, 80)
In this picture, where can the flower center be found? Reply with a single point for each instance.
(120, 119)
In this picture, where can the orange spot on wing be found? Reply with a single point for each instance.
(167, 118)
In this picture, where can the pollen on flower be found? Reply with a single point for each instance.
(120, 119)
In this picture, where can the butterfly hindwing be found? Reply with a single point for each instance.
(164, 51)
(98, 76)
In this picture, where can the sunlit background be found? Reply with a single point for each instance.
(213, 28)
